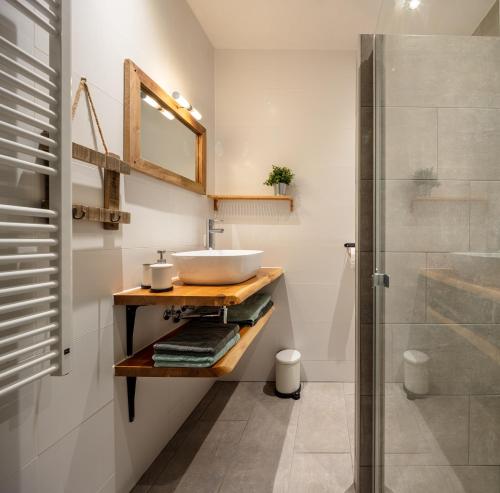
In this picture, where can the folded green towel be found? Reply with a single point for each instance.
(198, 337)
(165, 361)
(248, 312)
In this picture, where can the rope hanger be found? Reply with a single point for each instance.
(109, 215)
(83, 86)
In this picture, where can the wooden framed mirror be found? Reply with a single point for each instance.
(162, 139)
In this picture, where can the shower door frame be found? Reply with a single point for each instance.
(369, 395)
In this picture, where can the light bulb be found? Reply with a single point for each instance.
(167, 114)
(151, 101)
(414, 4)
(196, 114)
(181, 100)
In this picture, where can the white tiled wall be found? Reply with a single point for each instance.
(72, 434)
(294, 108)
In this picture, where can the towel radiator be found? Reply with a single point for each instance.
(35, 192)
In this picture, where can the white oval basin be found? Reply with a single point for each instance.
(212, 267)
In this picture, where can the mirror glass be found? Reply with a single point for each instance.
(166, 141)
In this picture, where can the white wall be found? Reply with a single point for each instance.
(72, 433)
(295, 108)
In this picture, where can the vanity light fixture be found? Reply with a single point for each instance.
(151, 101)
(184, 103)
(196, 114)
(167, 114)
(181, 100)
(414, 4)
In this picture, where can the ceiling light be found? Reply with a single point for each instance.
(195, 113)
(167, 114)
(181, 100)
(151, 101)
(414, 4)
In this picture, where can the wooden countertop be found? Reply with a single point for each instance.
(183, 294)
(141, 364)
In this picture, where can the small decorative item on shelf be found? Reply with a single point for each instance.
(425, 180)
(279, 177)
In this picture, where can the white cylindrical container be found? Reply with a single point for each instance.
(146, 276)
(288, 373)
(416, 373)
(161, 277)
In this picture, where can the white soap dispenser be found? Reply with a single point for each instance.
(161, 275)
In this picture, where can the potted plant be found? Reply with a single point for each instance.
(279, 178)
(425, 180)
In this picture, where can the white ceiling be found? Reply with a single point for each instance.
(286, 24)
(328, 24)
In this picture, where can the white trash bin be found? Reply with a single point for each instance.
(288, 374)
(416, 373)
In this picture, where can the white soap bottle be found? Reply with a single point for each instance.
(161, 275)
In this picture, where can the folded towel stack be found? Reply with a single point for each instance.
(251, 310)
(198, 344)
(201, 342)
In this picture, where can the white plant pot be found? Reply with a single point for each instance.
(280, 188)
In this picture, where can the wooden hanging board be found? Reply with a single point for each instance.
(110, 215)
(109, 161)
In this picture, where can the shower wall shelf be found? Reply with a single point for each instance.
(218, 198)
(141, 363)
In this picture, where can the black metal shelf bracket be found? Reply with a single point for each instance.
(130, 311)
(131, 384)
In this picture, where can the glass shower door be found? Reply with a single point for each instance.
(436, 210)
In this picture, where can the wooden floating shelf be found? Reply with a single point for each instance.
(142, 364)
(446, 276)
(479, 342)
(217, 198)
(183, 294)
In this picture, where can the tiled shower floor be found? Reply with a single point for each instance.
(241, 438)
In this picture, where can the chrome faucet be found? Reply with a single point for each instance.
(211, 231)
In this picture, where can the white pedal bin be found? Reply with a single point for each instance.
(416, 372)
(288, 371)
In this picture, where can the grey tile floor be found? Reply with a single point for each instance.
(428, 445)
(241, 438)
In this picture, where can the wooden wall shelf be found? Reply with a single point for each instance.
(184, 294)
(447, 277)
(217, 198)
(141, 364)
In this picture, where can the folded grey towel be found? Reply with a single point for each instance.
(205, 338)
(199, 361)
(248, 312)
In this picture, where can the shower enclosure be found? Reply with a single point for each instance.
(428, 186)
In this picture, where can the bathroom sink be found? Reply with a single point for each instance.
(212, 267)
